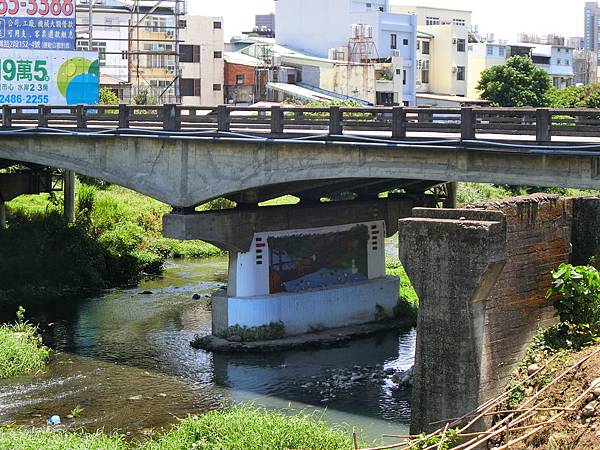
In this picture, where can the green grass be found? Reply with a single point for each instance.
(117, 239)
(34, 440)
(243, 428)
(408, 301)
(21, 349)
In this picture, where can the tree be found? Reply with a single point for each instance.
(516, 83)
(108, 97)
(575, 97)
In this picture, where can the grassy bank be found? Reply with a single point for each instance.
(236, 428)
(21, 349)
(115, 241)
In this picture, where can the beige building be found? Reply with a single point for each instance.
(442, 58)
(482, 56)
(201, 61)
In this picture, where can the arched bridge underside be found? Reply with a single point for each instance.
(188, 172)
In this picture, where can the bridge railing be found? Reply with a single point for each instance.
(540, 124)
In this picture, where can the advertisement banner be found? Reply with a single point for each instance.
(48, 78)
(37, 24)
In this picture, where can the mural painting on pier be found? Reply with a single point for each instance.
(302, 262)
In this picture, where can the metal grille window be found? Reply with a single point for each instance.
(461, 45)
(460, 73)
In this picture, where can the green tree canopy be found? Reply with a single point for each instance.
(575, 97)
(516, 83)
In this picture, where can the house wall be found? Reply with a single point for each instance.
(210, 71)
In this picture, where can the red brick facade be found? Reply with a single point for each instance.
(233, 70)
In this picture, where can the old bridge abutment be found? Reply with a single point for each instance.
(481, 275)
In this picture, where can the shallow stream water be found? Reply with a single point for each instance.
(125, 358)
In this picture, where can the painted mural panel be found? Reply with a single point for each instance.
(303, 262)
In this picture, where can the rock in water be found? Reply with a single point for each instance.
(196, 297)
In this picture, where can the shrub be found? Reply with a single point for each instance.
(575, 294)
(270, 332)
(21, 349)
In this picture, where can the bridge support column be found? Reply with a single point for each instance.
(69, 195)
(2, 214)
(451, 200)
(453, 258)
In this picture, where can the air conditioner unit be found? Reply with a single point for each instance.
(454, 69)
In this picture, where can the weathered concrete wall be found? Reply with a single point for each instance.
(453, 258)
(495, 332)
(188, 172)
(538, 241)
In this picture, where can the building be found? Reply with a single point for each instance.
(578, 43)
(360, 31)
(557, 60)
(585, 67)
(245, 81)
(592, 27)
(265, 23)
(442, 58)
(202, 64)
(137, 46)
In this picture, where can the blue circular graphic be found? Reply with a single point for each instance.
(83, 89)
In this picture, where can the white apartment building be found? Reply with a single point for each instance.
(557, 60)
(201, 61)
(442, 57)
(364, 27)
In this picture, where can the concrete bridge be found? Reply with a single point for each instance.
(186, 156)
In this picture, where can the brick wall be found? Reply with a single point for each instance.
(538, 241)
(232, 70)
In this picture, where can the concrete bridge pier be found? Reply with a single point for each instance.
(453, 259)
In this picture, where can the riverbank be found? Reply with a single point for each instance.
(243, 427)
(21, 349)
(116, 240)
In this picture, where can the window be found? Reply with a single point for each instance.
(385, 98)
(217, 25)
(369, 5)
(97, 46)
(460, 73)
(109, 23)
(425, 72)
(189, 53)
(426, 47)
(418, 45)
(394, 42)
(291, 78)
(218, 55)
(459, 22)
(240, 79)
(190, 87)
(216, 87)
(490, 50)
(405, 42)
(404, 77)
(155, 24)
(502, 51)
(558, 62)
(461, 45)
(432, 21)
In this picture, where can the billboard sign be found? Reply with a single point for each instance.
(48, 78)
(37, 24)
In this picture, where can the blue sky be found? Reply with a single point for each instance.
(505, 17)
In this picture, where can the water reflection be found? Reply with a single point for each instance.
(125, 357)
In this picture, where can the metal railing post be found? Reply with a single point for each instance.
(123, 115)
(42, 116)
(171, 118)
(467, 124)
(398, 122)
(6, 116)
(81, 117)
(335, 121)
(543, 125)
(223, 122)
(277, 120)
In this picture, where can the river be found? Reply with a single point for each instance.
(125, 358)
